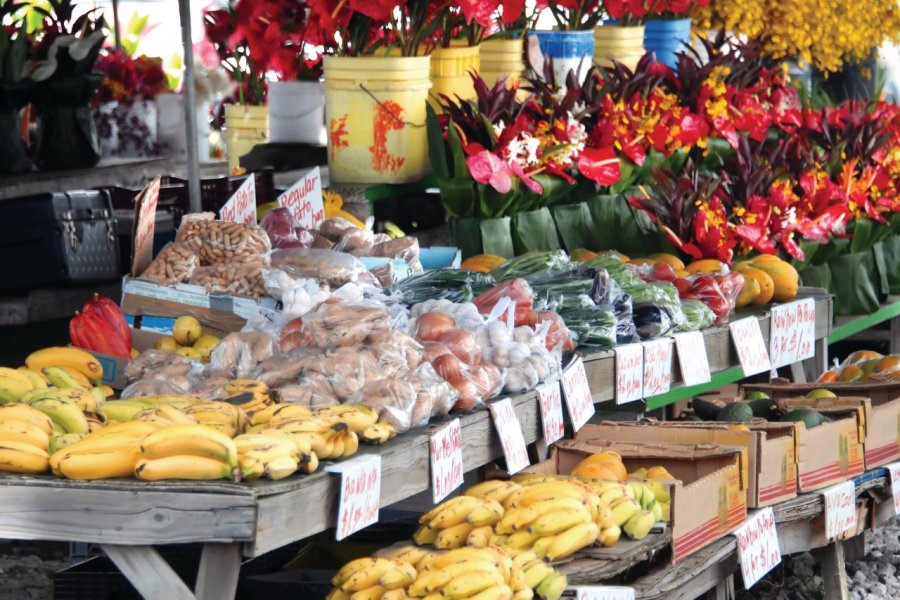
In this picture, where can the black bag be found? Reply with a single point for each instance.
(66, 134)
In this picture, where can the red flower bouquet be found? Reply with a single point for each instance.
(127, 78)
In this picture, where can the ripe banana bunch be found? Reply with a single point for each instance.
(378, 433)
(356, 416)
(88, 400)
(221, 416)
(14, 385)
(408, 553)
(279, 412)
(373, 578)
(24, 439)
(326, 436)
(450, 524)
(120, 411)
(164, 415)
(179, 401)
(270, 453)
(66, 378)
(187, 452)
(69, 357)
(471, 573)
(548, 582)
(495, 489)
(248, 394)
(65, 414)
(112, 451)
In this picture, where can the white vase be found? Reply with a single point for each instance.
(172, 129)
(137, 129)
(107, 128)
(297, 112)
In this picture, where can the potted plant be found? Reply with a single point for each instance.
(62, 69)
(503, 49)
(667, 27)
(125, 106)
(620, 38)
(13, 93)
(570, 45)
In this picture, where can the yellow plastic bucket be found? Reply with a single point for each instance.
(375, 112)
(450, 69)
(502, 59)
(246, 127)
(619, 43)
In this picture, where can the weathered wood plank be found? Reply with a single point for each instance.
(834, 572)
(148, 572)
(220, 566)
(127, 518)
(594, 565)
(692, 577)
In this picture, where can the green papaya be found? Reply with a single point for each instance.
(809, 416)
(739, 412)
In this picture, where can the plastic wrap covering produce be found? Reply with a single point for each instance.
(220, 241)
(279, 225)
(454, 285)
(435, 396)
(327, 266)
(718, 292)
(156, 372)
(465, 315)
(521, 353)
(533, 263)
(235, 278)
(697, 316)
(393, 399)
(518, 292)
(238, 354)
(590, 324)
(653, 320)
(338, 324)
(174, 264)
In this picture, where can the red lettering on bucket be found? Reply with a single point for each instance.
(338, 132)
(388, 117)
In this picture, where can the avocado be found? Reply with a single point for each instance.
(767, 408)
(810, 417)
(707, 411)
(739, 412)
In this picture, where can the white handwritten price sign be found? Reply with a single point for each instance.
(577, 392)
(550, 400)
(446, 460)
(692, 358)
(241, 207)
(144, 227)
(304, 200)
(657, 367)
(629, 373)
(360, 493)
(793, 332)
(840, 510)
(750, 345)
(894, 470)
(511, 438)
(603, 592)
(758, 549)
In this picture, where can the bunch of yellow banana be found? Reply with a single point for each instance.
(66, 378)
(179, 401)
(378, 433)
(68, 357)
(373, 578)
(273, 454)
(326, 436)
(481, 573)
(165, 415)
(626, 512)
(120, 411)
(356, 416)
(278, 413)
(248, 394)
(546, 581)
(66, 415)
(495, 489)
(450, 524)
(88, 400)
(408, 553)
(16, 384)
(187, 452)
(221, 416)
(112, 451)
(24, 439)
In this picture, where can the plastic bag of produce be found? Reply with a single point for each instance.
(435, 397)
(464, 315)
(718, 292)
(243, 279)
(238, 354)
(532, 263)
(174, 264)
(327, 266)
(518, 292)
(591, 325)
(558, 337)
(405, 248)
(279, 226)
(653, 320)
(278, 371)
(393, 399)
(697, 316)
(454, 285)
(221, 241)
(345, 324)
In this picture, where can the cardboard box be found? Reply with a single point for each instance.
(769, 465)
(114, 366)
(882, 413)
(709, 498)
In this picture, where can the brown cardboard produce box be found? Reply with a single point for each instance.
(114, 366)
(709, 499)
(770, 462)
(882, 431)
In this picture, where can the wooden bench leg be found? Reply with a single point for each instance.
(834, 573)
(148, 572)
(220, 567)
(724, 590)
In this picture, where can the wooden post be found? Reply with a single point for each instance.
(724, 590)
(220, 566)
(146, 570)
(834, 574)
(895, 335)
(190, 107)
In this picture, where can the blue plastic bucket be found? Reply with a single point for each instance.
(570, 51)
(665, 38)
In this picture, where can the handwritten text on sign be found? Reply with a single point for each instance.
(750, 345)
(241, 207)
(144, 227)
(692, 358)
(579, 400)
(840, 510)
(304, 200)
(894, 470)
(793, 332)
(758, 549)
(603, 592)
(510, 432)
(360, 493)
(550, 400)
(629, 373)
(657, 367)
(446, 460)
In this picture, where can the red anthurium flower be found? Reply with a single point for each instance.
(512, 10)
(600, 165)
(529, 182)
(489, 169)
(478, 11)
(379, 10)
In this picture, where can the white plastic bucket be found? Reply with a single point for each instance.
(171, 129)
(297, 112)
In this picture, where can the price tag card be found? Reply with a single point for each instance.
(360, 493)
(894, 470)
(241, 207)
(446, 460)
(792, 333)
(304, 200)
(511, 438)
(550, 400)
(758, 549)
(144, 227)
(579, 399)
(692, 358)
(603, 592)
(750, 345)
(840, 510)
(657, 367)
(629, 373)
